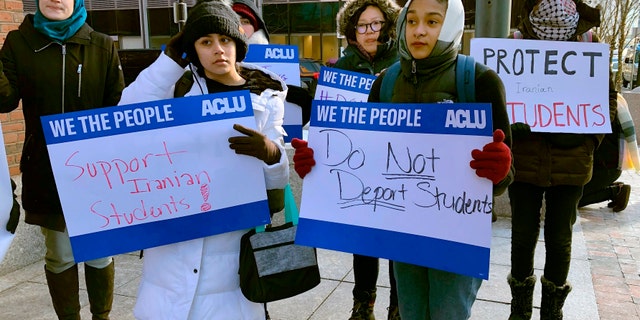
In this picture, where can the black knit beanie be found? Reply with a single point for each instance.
(213, 16)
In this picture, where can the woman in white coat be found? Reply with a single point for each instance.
(198, 279)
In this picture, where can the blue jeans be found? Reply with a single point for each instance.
(430, 294)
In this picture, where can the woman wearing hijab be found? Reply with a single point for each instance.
(56, 63)
(429, 36)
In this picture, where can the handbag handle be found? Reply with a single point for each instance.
(291, 212)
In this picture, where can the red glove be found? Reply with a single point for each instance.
(494, 161)
(302, 158)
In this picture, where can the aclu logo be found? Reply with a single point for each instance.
(279, 53)
(469, 119)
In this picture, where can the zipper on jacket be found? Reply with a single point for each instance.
(413, 72)
(64, 63)
(79, 79)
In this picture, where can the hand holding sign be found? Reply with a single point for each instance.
(255, 144)
(302, 158)
(175, 50)
(494, 160)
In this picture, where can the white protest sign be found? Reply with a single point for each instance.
(282, 60)
(554, 86)
(148, 174)
(6, 200)
(341, 85)
(394, 181)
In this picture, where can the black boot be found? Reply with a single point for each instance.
(100, 290)
(521, 297)
(553, 298)
(394, 313)
(363, 302)
(64, 291)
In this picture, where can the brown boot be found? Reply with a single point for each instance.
(393, 313)
(621, 199)
(521, 297)
(64, 291)
(363, 302)
(553, 298)
(100, 289)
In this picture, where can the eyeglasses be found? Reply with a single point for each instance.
(375, 26)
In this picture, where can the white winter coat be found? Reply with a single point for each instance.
(198, 279)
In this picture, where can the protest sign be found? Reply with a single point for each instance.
(341, 85)
(6, 201)
(394, 181)
(282, 60)
(553, 86)
(148, 174)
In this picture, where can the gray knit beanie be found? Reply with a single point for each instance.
(213, 16)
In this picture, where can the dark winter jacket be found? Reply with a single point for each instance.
(51, 78)
(552, 159)
(354, 59)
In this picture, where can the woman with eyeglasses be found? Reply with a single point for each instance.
(369, 27)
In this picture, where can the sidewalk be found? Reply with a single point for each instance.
(604, 274)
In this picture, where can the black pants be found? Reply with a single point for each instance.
(561, 206)
(599, 188)
(365, 271)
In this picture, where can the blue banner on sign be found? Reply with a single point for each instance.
(443, 118)
(142, 236)
(345, 80)
(272, 53)
(437, 253)
(94, 123)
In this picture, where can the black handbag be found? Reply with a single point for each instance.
(272, 266)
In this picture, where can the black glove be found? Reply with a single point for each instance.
(14, 216)
(520, 130)
(174, 49)
(255, 144)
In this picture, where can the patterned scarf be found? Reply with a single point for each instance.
(64, 29)
(554, 19)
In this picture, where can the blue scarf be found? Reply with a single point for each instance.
(61, 30)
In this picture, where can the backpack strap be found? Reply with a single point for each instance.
(389, 81)
(183, 85)
(465, 78)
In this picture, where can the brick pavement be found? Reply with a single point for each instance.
(613, 246)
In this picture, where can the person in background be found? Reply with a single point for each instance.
(369, 27)
(83, 72)
(550, 168)
(198, 279)
(430, 33)
(256, 32)
(607, 165)
(251, 21)
(56, 63)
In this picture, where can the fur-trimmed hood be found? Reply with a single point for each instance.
(350, 13)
